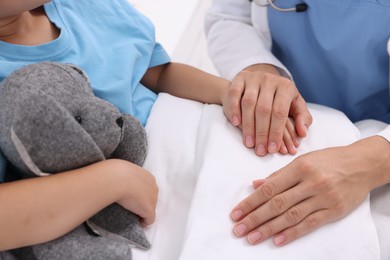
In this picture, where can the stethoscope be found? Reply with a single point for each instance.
(298, 8)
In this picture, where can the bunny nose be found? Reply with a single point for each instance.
(119, 122)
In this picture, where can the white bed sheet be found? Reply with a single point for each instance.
(203, 170)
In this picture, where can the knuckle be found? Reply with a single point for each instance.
(323, 182)
(311, 223)
(261, 134)
(276, 134)
(263, 109)
(248, 101)
(234, 106)
(267, 190)
(268, 78)
(293, 215)
(268, 229)
(341, 208)
(338, 201)
(280, 112)
(292, 233)
(246, 206)
(234, 92)
(244, 73)
(306, 165)
(252, 220)
(278, 204)
(286, 81)
(261, 139)
(289, 87)
(248, 125)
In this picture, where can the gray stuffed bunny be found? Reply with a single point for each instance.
(52, 122)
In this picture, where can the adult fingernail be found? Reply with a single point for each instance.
(260, 150)
(272, 148)
(236, 215)
(249, 141)
(254, 237)
(279, 240)
(239, 230)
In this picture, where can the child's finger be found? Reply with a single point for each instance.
(234, 101)
(290, 126)
(283, 149)
(288, 141)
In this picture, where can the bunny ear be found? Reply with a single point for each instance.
(21, 149)
(50, 135)
(79, 70)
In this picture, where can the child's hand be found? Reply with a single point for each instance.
(260, 101)
(290, 139)
(139, 191)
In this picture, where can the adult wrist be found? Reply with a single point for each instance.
(374, 158)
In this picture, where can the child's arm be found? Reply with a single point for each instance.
(187, 82)
(44, 208)
(240, 102)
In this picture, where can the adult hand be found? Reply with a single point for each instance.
(260, 102)
(314, 189)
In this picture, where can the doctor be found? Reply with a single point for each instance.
(334, 53)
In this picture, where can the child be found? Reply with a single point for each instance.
(115, 45)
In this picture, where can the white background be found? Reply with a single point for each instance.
(180, 29)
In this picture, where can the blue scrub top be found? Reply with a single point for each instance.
(336, 52)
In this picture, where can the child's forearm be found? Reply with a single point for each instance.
(44, 208)
(188, 82)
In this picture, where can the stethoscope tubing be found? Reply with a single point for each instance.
(298, 8)
(271, 3)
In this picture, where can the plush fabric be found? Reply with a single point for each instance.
(52, 122)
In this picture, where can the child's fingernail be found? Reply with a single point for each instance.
(235, 120)
(283, 149)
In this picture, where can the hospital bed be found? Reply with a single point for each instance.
(203, 169)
